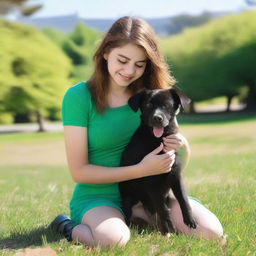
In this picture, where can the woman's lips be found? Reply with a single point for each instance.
(126, 78)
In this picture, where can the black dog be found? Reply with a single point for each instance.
(158, 119)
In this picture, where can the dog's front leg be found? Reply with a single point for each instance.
(179, 192)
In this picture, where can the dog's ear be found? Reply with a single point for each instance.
(135, 101)
(182, 98)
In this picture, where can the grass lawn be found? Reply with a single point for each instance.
(35, 186)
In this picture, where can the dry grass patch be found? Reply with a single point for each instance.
(231, 138)
(22, 153)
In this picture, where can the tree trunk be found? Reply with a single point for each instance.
(40, 122)
(229, 100)
(251, 97)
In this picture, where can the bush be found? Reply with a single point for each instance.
(6, 118)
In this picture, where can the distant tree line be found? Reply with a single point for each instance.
(36, 67)
(180, 22)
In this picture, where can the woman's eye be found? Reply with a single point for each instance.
(122, 61)
(139, 66)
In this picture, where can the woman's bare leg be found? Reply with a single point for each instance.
(82, 234)
(209, 226)
(103, 226)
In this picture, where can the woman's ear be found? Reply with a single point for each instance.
(105, 56)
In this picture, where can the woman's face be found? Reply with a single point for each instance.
(125, 64)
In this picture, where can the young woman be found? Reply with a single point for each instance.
(98, 124)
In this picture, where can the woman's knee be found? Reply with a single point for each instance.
(107, 226)
(208, 225)
(114, 233)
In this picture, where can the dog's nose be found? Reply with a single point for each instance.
(158, 118)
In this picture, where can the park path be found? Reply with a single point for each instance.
(57, 126)
(49, 127)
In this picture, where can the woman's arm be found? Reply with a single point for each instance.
(82, 172)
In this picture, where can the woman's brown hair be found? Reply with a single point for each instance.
(129, 30)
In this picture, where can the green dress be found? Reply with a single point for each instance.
(107, 136)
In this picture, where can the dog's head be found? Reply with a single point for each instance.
(159, 108)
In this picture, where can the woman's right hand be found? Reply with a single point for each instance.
(154, 164)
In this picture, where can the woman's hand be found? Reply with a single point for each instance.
(173, 142)
(176, 142)
(154, 164)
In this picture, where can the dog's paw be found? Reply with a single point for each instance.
(190, 222)
(193, 225)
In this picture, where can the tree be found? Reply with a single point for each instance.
(242, 71)
(57, 36)
(74, 52)
(8, 6)
(82, 40)
(84, 36)
(35, 71)
(207, 60)
(78, 45)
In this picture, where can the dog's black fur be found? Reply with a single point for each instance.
(158, 118)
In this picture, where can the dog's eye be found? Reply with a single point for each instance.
(149, 105)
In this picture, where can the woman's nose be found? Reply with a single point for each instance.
(130, 69)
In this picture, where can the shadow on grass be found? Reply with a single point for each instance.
(34, 237)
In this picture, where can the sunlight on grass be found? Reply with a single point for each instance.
(35, 186)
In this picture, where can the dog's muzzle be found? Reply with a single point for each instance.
(159, 119)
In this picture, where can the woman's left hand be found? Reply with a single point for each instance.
(173, 142)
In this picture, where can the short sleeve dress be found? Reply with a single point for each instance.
(108, 134)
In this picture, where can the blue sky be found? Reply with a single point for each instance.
(142, 8)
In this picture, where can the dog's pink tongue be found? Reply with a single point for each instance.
(158, 132)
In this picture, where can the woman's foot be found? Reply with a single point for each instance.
(64, 225)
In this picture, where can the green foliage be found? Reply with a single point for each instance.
(55, 35)
(37, 67)
(84, 36)
(34, 71)
(79, 47)
(74, 52)
(80, 44)
(82, 72)
(6, 118)
(215, 59)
